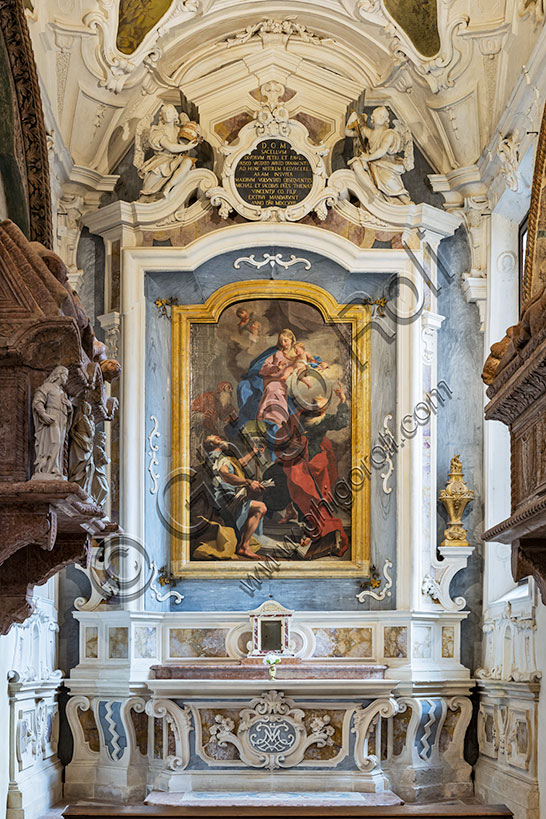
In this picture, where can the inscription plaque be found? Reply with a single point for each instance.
(273, 175)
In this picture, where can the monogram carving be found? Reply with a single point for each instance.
(271, 737)
(271, 733)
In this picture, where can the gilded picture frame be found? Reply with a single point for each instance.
(351, 323)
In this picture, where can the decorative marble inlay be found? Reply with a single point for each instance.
(211, 745)
(158, 738)
(336, 722)
(197, 642)
(89, 728)
(140, 725)
(448, 729)
(118, 643)
(228, 129)
(372, 740)
(145, 642)
(395, 642)
(343, 642)
(448, 641)
(522, 737)
(171, 740)
(91, 643)
(422, 642)
(489, 727)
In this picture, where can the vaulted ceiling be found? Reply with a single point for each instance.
(446, 67)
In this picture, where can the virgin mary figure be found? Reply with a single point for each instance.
(262, 393)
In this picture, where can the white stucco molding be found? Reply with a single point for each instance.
(114, 220)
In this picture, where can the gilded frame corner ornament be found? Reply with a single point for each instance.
(183, 316)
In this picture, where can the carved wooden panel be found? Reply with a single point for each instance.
(14, 424)
(33, 150)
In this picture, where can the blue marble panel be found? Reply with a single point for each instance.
(112, 727)
(196, 287)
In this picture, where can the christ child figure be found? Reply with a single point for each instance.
(302, 361)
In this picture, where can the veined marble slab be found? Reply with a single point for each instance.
(299, 671)
(262, 799)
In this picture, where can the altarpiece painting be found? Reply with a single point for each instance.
(270, 433)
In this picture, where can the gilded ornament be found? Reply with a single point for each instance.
(455, 497)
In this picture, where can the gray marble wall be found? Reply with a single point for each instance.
(460, 362)
(90, 259)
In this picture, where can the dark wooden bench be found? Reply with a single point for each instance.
(437, 811)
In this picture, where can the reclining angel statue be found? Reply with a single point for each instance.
(382, 153)
(171, 140)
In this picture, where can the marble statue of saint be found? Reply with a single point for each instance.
(52, 413)
(171, 140)
(82, 434)
(382, 153)
(100, 487)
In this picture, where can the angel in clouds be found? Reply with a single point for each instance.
(171, 140)
(382, 153)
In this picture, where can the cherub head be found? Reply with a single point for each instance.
(254, 328)
(242, 314)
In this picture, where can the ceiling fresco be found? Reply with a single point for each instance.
(419, 19)
(136, 19)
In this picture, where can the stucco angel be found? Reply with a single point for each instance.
(171, 140)
(382, 153)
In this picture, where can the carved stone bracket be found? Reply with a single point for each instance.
(111, 324)
(363, 722)
(508, 153)
(455, 559)
(180, 721)
(465, 195)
